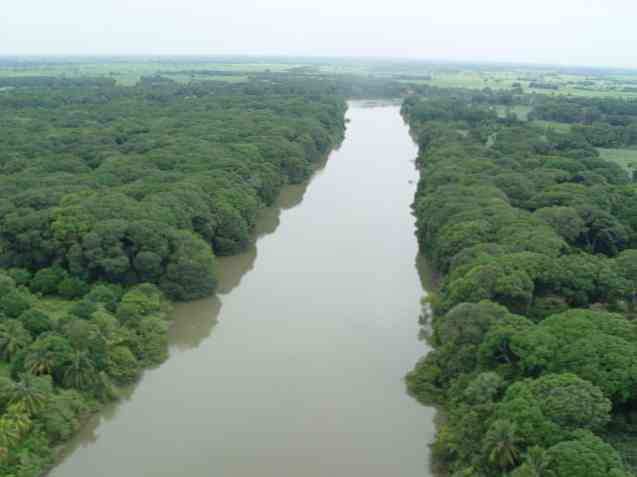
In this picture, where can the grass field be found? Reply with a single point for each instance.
(568, 84)
(627, 158)
(128, 70)
(127, 73)
(560, 127)
(187, 78)
(521, 111)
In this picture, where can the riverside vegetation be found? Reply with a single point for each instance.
(535, 343)
(115, 199)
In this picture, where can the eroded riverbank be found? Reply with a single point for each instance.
(296, 368)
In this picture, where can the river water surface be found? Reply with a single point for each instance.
(296, 368)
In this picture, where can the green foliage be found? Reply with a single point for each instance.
(105, 294)
(60, 418)
(547, 407)
(597, 346)
(84, 309)
(466, 338)
(502, 444)
(191, 272)
(116, 197)
(151, 345)
(585, 455)
(527, 225)
(61, 366)
(140, 301)
(72, 288)
(29, 391)
(21, 276)
(79, 372)
(122, 365)
(536, 464)
(36, 322)
(148, 183)
(47, 280)
(484, 388)
(7, 284)
(625, 265)
(15, 302)
(13, 338)
(48, 355)
(564, 220)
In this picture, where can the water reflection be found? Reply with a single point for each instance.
(193, 321)
(197, 319)
(430, 282)
(88, 435)
(426, 272)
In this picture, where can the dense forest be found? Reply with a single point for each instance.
(534, 358)
(115, 199)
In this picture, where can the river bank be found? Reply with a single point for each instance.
(297, 365)
(188, 333)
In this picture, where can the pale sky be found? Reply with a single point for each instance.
(570, 32)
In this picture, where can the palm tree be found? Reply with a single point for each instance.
(9, 436)
(104, 388)
(14, 424)
(503, 444)
(535, 464)
(13, 338)
(19, 415)
(80, 372)
(40, 361)
(29, 392)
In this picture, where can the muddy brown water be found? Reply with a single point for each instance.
(296, 368)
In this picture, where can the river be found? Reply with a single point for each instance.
(296, 368)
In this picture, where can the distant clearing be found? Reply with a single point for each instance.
(627, 158)
(521, 111)
(560, 127)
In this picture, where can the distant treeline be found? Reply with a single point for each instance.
(534, 349)
(608, 122)
(54, 82)
(414, 77)
(206, 72)
(543, 85)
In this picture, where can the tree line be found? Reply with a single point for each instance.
(608, 122)
(114, 198)
(144, 184)
(534, 355)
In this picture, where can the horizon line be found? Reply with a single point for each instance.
(363, 58)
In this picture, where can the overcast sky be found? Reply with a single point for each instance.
(592, 32)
